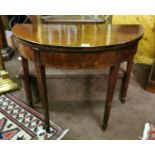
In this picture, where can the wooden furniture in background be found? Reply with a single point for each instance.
(6, 83)
(2, 42)
(72, 19)
(77, 46)
(64, 19)
(150, 84)
(7, 52)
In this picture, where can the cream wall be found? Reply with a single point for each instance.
(146, 48)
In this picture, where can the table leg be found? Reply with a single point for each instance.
(125, 81)
(27, 84)
(41, 79)
(113, 75)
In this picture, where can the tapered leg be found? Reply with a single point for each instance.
(125, 81)
(40, 73)
(110, 92)
(27, 84)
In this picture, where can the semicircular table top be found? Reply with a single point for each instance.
(46, 45)
(78, 35)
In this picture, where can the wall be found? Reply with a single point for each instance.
(146, 48)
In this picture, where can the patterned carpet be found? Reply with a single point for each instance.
(149, 131)
(20, 122)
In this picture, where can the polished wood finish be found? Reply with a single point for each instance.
(110, 93)
(79, 46)
(40, 73)
(125, 81)
(83, 37)
(27, 84)
(67, 60)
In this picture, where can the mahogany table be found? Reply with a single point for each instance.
(77, 46)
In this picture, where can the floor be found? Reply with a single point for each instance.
(84, 118)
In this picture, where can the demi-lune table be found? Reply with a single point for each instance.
(77, 46)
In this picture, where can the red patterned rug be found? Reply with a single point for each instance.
(20, 122)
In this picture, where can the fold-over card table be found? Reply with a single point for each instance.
(77, 46)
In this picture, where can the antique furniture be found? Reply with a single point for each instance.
(2, 42)
(6, 83)
(57, 19)
(87, 79)
(77, 46)
(72, 19)
(150, 83)
(7, 52)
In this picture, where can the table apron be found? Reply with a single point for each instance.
(77, 60)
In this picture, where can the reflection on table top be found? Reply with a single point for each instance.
(72, 18)
(78, 35)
